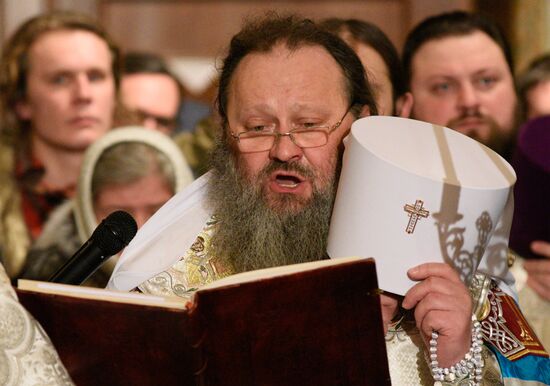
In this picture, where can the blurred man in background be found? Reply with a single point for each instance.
(381, 61)
(458, 67)
(534, 89)
(58, 80)
(150, 90)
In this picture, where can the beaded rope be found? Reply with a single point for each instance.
(471, 365)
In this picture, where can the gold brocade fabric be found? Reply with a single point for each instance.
(27, 356)
(404, 347)
(194, 270)
(535, 309)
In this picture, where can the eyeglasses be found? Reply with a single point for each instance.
(160, 121)
(263, 137)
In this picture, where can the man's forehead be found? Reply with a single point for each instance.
(472, 52)
(280, 53)
(70, 45)
(153, 83)
(303, 71)
(58, 37)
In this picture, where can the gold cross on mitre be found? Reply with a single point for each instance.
(415, 213)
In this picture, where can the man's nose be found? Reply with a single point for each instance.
(150, 123)
(285, 150)
(468, 96)
(82, 89)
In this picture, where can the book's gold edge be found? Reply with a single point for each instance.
(100, 294)
(283, 270)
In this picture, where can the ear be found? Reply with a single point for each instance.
(403, 105)
(365, 112)
(23, 110)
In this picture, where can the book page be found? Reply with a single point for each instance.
(100, 294)
(267, 273)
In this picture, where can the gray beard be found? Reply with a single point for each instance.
(251, 235)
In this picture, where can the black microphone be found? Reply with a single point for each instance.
(110, 237)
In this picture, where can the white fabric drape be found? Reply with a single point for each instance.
(164, 238)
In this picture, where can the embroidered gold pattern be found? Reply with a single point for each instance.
(494, 329)
(194, 270)
(506, 329)
(416, 212)
(524, 334)
(510, 258)
(479, 287)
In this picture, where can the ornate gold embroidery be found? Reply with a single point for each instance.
(510, 258)
(415, 213)
(479, 287)
(198, 245)
(524, 334)
(507, 330)
(194, 270)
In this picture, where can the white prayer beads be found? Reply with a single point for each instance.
(471, 366)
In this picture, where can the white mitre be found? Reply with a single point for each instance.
(411, 192)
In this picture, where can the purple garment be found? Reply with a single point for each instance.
(531, 162)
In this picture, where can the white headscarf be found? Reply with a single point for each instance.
(85, 217)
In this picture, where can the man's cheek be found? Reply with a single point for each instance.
(245, 167)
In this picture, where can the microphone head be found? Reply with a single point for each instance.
(115, 232)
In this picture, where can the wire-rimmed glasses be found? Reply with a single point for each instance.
(262, 138)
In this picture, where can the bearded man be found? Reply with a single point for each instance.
(288, 94)
(459, 69)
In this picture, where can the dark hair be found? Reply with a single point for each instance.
(142, 62)
(354, 31)
(13, 67)
(149, 63)
(262, 34)
(537, 71)
(456, 23)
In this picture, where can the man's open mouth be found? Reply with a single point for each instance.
(288, 180)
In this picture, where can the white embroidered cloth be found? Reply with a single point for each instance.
(164, 238)
(27, 356)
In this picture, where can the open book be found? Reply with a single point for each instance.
(100, 294)
(315, 323)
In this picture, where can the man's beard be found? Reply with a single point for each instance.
(251, 234)
(497, 139)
